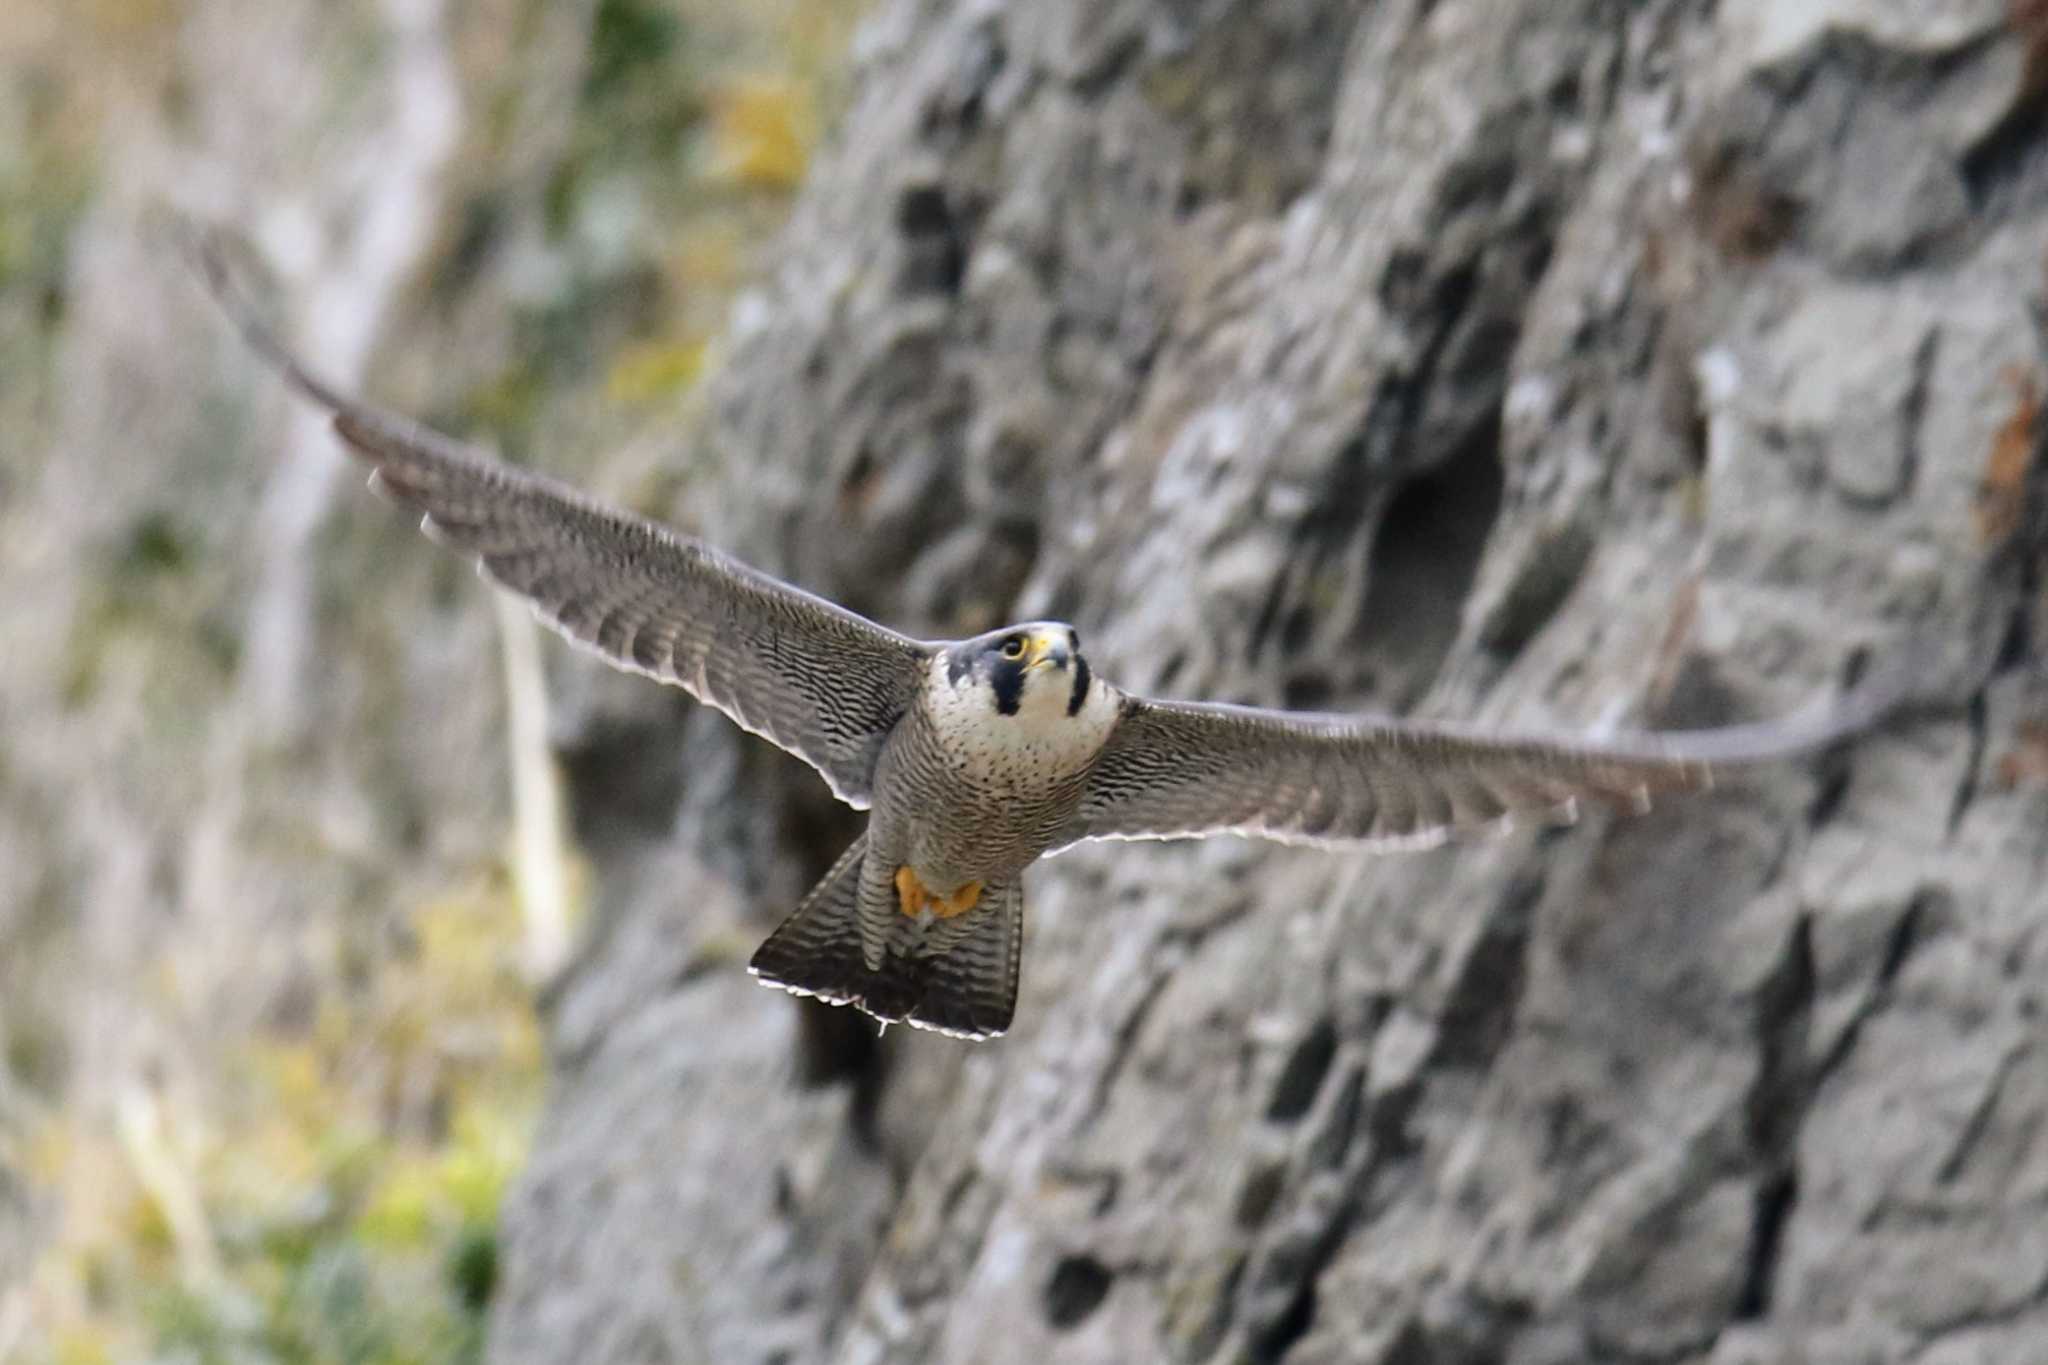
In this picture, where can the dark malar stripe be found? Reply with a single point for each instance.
(1008, 680)
(1080, 686)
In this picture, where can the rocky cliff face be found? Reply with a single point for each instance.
(1556, 364)
(1553, 364)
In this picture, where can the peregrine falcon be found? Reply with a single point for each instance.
(976, 757)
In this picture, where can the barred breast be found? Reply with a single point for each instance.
(982, 794)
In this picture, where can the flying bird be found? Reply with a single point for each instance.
(976, 757)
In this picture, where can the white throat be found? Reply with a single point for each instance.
(1041, 740)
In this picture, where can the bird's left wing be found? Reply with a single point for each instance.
(1177, 770)
(820, 681)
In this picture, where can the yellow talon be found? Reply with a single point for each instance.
(911, 897)
(915, 899)
(959, 903)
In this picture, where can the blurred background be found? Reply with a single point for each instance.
(277, 883)
(372, 967)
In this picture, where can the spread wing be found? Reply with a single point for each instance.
(820, 681)
(1177, 770)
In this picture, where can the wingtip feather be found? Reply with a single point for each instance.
(207, 247)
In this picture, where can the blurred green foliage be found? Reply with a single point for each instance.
(330, 1194)
(351, 1187)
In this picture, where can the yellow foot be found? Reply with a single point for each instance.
(911, 897)
(915, 899)
(959, 903)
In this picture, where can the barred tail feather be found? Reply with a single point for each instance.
(817, 950)
(969, 991)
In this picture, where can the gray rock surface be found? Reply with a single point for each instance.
(1554, 364)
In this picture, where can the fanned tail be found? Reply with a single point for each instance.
(816, 951)
(968, 990)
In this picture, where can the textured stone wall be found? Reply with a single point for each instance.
(1555, 364)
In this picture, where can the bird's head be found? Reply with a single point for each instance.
(1033, 670)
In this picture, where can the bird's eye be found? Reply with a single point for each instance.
(1013, 648)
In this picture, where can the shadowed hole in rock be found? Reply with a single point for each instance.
(1913, 925)
(1260, 1192)
(1308, 690)
(1170, 671)
(1776, 1105)
(837, 1044)
(1966, 786)
(1301, 1079)
(1203, 1341)
(1699, 697)
(1736, 207)
(2006, 158)
(1834, 785)
(1297, 628)
(1276, 1341)
(1480, 1011)
(1077, 1288)
(1424, 559)
(934, 242)
(1341, 1122)
(624, 776)
(1565, 95)
(1541, 585)
(1775, 1199)
(1695, 427)
(2016, 646)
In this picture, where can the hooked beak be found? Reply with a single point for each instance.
(1045, 649)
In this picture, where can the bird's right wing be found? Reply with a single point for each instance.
(1176, 770)
(820, 681)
